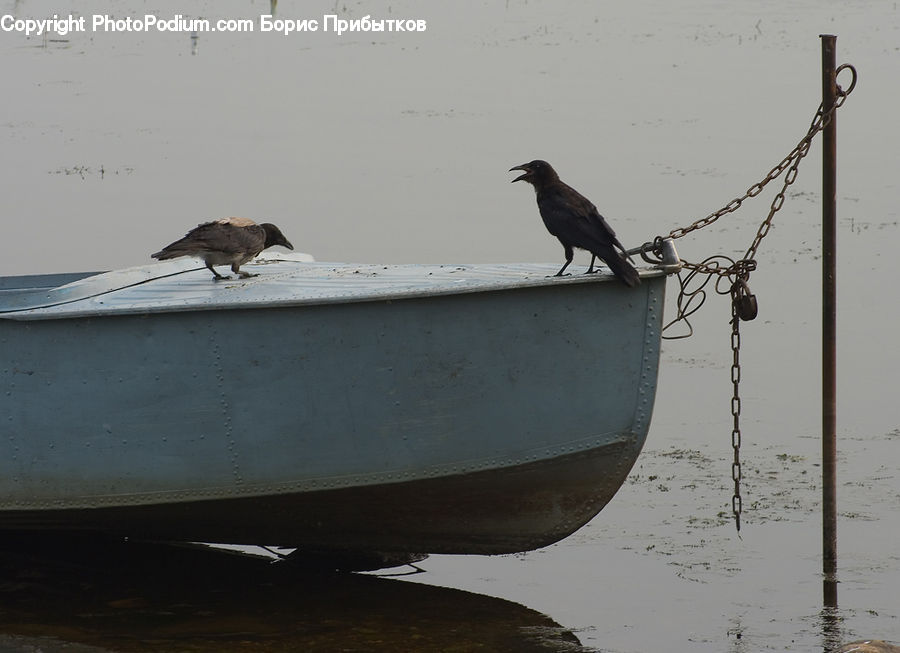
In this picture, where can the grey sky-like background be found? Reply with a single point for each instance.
(394, 147)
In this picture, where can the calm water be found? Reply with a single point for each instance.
(394, 147)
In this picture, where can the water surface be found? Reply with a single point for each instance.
(394, 148)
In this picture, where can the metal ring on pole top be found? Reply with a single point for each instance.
(846, 66)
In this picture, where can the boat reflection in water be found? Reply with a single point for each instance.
(103, 594)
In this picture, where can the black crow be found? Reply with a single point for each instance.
(572, 218)
(231, 241)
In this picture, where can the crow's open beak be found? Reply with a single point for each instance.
(523, 167)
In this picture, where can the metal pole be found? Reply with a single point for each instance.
(829, 386)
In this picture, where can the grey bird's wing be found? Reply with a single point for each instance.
(221, 236)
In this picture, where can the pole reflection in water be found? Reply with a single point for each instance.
(832, 633)
(92, 594)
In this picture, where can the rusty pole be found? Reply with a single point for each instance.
(829, 335)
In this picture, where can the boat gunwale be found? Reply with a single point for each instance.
(47, 312)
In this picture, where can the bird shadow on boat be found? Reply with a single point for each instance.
(103, 594)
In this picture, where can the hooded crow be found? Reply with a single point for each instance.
(572, 218)
(230, 241)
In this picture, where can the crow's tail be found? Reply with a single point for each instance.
(623, 269)
(183, 247)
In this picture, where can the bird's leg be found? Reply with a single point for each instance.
(216, 275)
(237, 270)
(591, 269)
(570, 253)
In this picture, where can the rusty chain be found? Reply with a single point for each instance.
(736, 506)
(743, 302)
(791, 161)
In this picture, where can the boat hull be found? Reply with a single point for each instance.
(518, 508)
(479, 422)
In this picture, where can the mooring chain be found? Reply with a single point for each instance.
(819, 122)
(744, 306)
(736, 506)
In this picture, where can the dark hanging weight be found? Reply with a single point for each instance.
(747, 307)
(745, 302)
